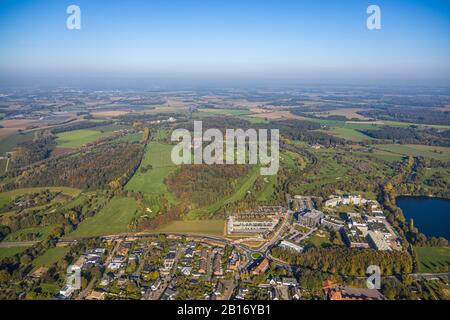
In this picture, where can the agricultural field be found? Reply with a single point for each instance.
(349, 113)
(226, 112)
(208, 227)
(348, 134)
(79, 138)
(432, 259)
(439, 153)
(112, 219)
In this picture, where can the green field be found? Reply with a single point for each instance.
(269, 188)
(318, 240)
(6, 197)
(9, 252)
(114, 218)
(151, 183)
(433, 259)
(211, 227)
(348, 134)
(439, 153)
(329, 172)
(79, 138)
(49, 257)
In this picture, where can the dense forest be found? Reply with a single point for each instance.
(202, 185)
(90, 169)
(39, 148)
(345, 261)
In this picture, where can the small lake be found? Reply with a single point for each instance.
(431, 215)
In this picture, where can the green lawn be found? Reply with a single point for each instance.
(151, 183)
(268, 189)
(50, 256)
(319, 239)
(211, 227)
(433, 259)
(6, 197)
(78, 138)
(329, 172)
(112, 219)
(9, 252)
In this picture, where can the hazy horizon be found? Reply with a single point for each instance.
(203, 41)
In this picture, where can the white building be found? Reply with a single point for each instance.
(67, 291)
(290, 245)
(378, 241)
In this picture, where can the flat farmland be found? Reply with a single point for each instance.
(227, 112)
(439, 153)
(347, 134)
(109, 114)
(349, 113)
(79, 138)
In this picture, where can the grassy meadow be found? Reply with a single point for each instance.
(114, 218)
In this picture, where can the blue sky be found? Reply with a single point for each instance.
(276, 39)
